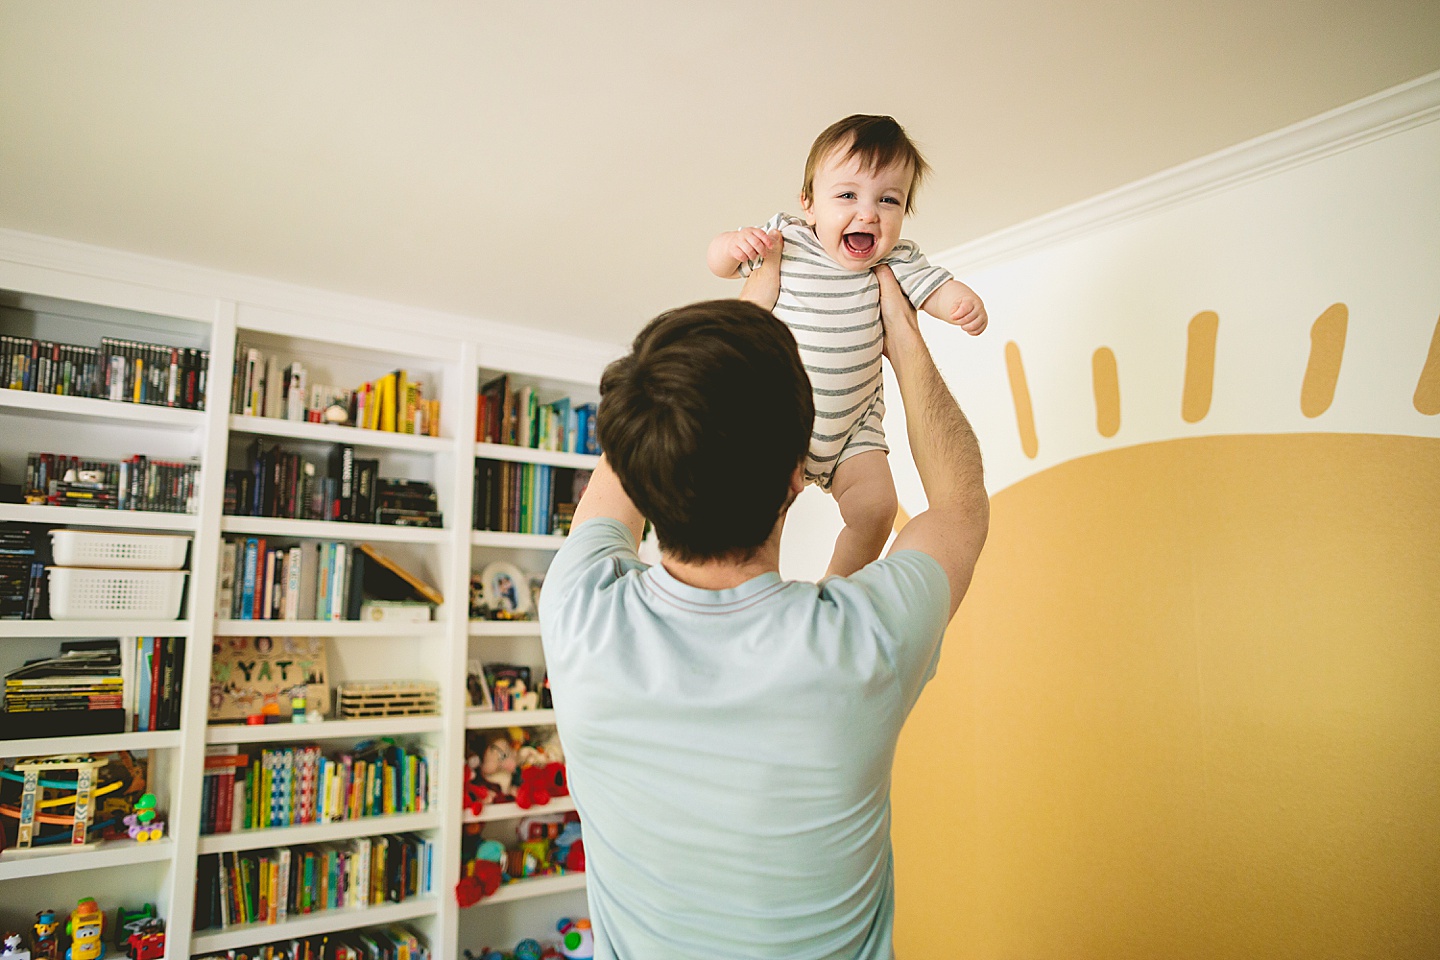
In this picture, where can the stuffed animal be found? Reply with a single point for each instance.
(570, 848)
(497, 765)
(539, 785)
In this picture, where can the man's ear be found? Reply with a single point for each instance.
(797, 481)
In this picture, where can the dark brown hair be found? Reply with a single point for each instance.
(879, 142)
(704, 423)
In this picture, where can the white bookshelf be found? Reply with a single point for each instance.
(326, 921)
(500, 719)
(89, 410)
(65, 294)
(499, 812)
(82, 517)
(332, 530)
(318, 832)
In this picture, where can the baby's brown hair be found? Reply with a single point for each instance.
(879, 142)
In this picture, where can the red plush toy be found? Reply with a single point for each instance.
(540, 784)
(482, 879)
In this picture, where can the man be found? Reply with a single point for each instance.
(729, 735)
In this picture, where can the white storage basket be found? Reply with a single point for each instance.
(134, 551)
(77, 593)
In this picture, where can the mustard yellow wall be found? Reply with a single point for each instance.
(1191, 708)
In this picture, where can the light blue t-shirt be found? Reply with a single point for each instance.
(729, 751)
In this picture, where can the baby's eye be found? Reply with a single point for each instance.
(894, 200)
(847, 195)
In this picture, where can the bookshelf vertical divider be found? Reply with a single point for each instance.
(461, 399)
(204, 573)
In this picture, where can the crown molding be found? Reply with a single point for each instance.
(1384, 114)
(562, 355)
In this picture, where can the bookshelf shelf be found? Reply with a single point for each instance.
(499, 719)
(95, 628)
(509, 811)
(62, 858)
(522, 541)
(84, 517)
(326, 730)
(89, 409)
(326, 628)
(518, 454)
(326, 921)
(92, 743)
(331, 433)
(318, 832)
(330, 530)
(504, 628)
(537, 887)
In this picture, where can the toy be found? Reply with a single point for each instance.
(142, 824)
(497, 764)
(84, 788)
(46, 943)
(85, 926)
(140, 931)
(482, 874)
(570, 848)
(475, 791)
(528, 949)
(14, 948)
(149, 945)
(579, 939)
(539, 785)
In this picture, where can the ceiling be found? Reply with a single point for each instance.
(563, 165)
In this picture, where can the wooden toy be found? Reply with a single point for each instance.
(32, 795)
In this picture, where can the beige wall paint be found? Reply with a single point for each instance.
(1190, 706)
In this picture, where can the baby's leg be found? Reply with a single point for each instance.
(865, 491)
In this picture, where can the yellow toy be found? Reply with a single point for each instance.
(85, 926)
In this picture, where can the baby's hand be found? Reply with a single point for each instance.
(969, 315)
(748, 244)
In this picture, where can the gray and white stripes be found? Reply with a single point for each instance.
(835, 316)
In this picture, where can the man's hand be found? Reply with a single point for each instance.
(897, 314)
(762, 287)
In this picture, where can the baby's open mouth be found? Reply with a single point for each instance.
(859, 244)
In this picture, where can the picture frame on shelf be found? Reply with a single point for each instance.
(477, 690)
(505, 591)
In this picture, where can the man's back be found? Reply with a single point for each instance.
(730, 751)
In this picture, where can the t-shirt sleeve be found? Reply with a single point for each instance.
(595, 555)
(910, 595)
(917, 276)
(776, 222)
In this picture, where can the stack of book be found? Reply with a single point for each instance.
(517, 417)
(79, 692)
(392, 943)
(281, 483)
(526, 497)
(313, 580)
(122, 370)
(136, 483)
(407, 503)
(22, 572)
(294, 785)
(159, 673)
(266, 387)
(272, 886)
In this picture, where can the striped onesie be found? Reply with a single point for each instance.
(835, 316)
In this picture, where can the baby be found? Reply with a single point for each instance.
(860, 182)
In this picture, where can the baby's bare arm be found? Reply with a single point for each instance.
(734, 247)
(956, 303)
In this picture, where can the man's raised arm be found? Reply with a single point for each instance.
(605, 497)
(953, 527)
